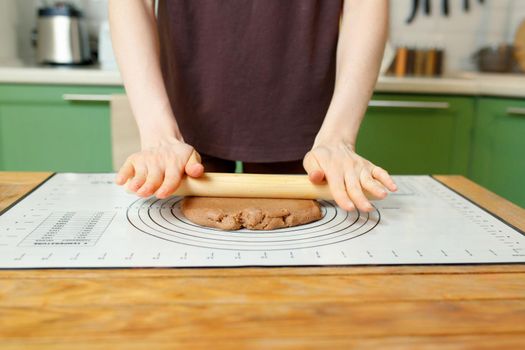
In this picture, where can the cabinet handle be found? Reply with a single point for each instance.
(409, 104)
(516, 111)
(86, 98)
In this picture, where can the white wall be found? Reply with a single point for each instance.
(8, 24)
(461, 34)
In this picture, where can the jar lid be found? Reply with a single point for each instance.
(60, 9)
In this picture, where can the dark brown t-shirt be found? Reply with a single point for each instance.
(249, 80)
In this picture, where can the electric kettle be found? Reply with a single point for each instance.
(61, 36)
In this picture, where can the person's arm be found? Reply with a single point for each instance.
(165, 157)
(360, 48)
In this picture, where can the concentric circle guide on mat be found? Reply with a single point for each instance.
(164, 220)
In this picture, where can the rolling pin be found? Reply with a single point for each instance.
(253, 186)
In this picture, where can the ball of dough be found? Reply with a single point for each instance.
(250, 213)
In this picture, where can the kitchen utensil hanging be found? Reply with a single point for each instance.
(413, 11)
(427, 8)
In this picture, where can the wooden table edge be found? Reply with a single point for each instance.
(486, 199)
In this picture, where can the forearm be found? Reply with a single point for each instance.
(136, 45)
(359, 52)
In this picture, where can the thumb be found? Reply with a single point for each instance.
(193, 166)
(313, 169)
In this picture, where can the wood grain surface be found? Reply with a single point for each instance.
(420, 307)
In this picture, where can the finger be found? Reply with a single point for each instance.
(313, 169)
(153, 181)
(355, 192)
(336, 184)
(139, 178)
(172, 179)
(126, 172)
(383, 177)
(193, 167)
(372, 186)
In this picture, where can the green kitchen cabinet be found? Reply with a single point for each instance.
(55, 128)
(498, 153)
(418, 134)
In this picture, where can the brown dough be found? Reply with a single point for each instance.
(250, 213)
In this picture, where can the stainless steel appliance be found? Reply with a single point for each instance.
(62, 36)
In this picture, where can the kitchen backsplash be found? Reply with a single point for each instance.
(460, 34)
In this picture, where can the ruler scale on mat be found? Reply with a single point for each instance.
(85, 221)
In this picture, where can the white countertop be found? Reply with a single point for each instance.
(461, 84)
(509, 85)
(89, 75)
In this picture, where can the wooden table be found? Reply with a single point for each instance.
(446, 307)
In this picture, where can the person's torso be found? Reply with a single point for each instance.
(249, 79)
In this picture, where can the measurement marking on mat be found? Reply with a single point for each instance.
(47, 257)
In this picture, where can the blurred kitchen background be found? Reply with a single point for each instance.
(450, 99)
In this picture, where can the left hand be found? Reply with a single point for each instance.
(348, 174)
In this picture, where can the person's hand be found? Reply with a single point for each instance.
(349, 175)
(159, 169)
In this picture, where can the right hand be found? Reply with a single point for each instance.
(159, 169)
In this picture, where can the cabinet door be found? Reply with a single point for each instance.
(41, 131)
(498, 159)
(418, 134)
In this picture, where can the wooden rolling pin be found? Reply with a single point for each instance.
(253, 186)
